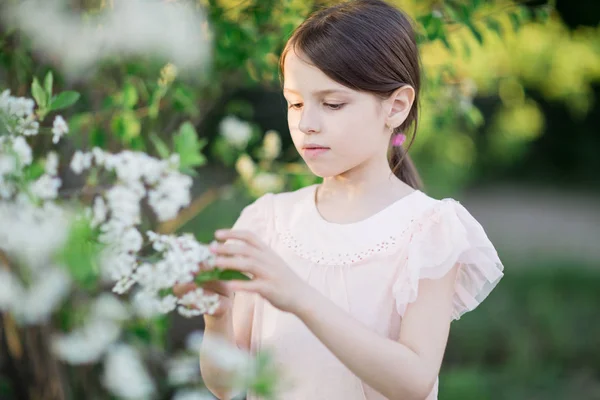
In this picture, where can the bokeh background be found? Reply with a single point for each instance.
(509, 126)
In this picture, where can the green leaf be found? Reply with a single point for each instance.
(494, 25)
(542, 13)
(34, 171)
(126, 125)
(38, 93)
(475, 32)
(514, 20)
(188, 146)
(230, 274)
(474, 117)
(98, 137)
(464, 14)
(207, 276)
(64, 100)
(466, 49)
(218, 274)
(130, 96)
(80, 253)
(48, 82)
(446, 43)
(160, 146)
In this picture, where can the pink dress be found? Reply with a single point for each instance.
(371, 269)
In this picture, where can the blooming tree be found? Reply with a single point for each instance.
(68, 249)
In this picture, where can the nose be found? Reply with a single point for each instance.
(309, 122)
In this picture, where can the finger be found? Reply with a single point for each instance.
(242, 264)
(245, 236)
(233, 249)
(252, 286)
(182, 288)
(217, 287)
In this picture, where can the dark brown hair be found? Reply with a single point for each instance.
(368, 46)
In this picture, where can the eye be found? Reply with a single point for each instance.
(334, 106)
(295, 106)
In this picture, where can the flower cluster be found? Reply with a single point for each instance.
(18, 121)
(117, 214)
(88, 343)
(181, 259)
(32, 227)
(41, 263)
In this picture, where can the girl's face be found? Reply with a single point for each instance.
(335, 129)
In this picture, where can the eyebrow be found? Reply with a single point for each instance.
(320, 92)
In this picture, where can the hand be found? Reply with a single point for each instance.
(213, 287)
(272, 278)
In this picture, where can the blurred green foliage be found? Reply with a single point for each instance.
(537, 336)
(469, 48)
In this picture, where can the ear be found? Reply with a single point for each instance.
(399, 105)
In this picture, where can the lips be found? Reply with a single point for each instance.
(314, 150)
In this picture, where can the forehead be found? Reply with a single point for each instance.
(301, 76)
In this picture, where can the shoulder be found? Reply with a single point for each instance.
(270, 204)
(427, 207)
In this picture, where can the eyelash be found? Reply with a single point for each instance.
(333, 107)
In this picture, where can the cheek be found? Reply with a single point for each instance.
(293, 121)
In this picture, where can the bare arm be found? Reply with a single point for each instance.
(234, 326)
(404, 369)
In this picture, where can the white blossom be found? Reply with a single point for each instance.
(88, 344)
(193, 341)
(235, 131)
(236, 363)
(118, 264)
(51, 165)
(43, 296)
(23, 151)
(46, 187)
(245, 167)
(181, 257)
(11, 290)
(80, 162)
(99, 211)
(19, 107)
(124, 204)
(30, 233)
(271, 145)
(98, 155)
(183, 369)
(266, 182)
(27, 126)
(171, 30)
(170, 195)
(8, 164)
(109, 307)
(143, 303)
(198, 301)
(125, 375)
(188, 394)
(59, 129)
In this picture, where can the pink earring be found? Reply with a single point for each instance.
(398, 139)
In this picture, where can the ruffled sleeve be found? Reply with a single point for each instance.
(442, 237)
(256, 217)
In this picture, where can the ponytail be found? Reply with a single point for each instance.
(404, 168)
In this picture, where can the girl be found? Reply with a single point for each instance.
(355, 280)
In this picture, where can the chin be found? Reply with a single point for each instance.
(325, 171)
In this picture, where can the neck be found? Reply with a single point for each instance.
(366, 180)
